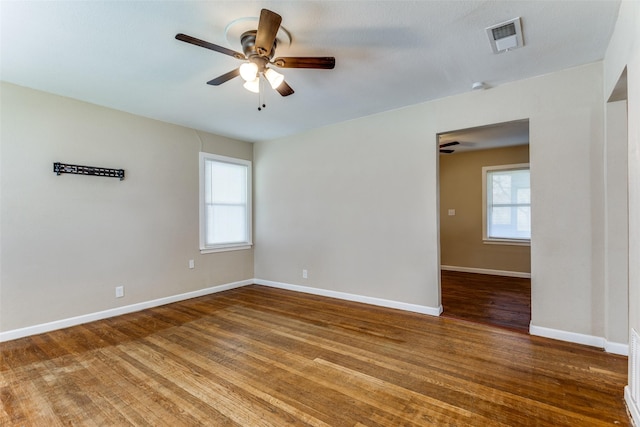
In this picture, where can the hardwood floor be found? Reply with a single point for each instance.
(495, 300)
(257, 356)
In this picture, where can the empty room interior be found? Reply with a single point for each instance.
(326, 213)
(485, 262)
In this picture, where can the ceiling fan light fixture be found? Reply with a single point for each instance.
(253, 85)
(249, 71)
(275, 78)
(258, 47)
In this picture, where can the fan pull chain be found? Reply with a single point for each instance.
(261, 103)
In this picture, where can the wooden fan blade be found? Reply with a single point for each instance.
(224, 78)
(325, 62)
(284, 89)
(207, 45)
(447, 151)
(449, 144)
(267, 30)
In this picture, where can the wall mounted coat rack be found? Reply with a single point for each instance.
(60, 168)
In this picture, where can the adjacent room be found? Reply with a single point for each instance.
(485, 224)
(251, 213)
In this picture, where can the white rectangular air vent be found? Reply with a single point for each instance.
(505, 36)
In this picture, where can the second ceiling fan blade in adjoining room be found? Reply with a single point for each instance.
(224, 78)
(267, 30)
(449, 144)
(192, 40)
(324, 63)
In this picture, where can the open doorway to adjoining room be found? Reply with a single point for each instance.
(485, 224)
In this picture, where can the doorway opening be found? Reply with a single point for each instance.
(485, 224)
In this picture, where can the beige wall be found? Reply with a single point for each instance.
(616, 226)
(461, 242)
(67, 241)
(624, 51)
(357, 205)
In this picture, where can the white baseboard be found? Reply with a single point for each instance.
(591, 340)
(486, 271)
(561, 335)
(616, 348)
(78, 320)
(634, 410)
(423, 309)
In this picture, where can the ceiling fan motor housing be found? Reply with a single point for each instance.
(248, 41)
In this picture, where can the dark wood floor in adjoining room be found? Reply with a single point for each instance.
(494, 300)
(257, 356)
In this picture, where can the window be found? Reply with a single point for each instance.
(506, 194)
(225, 203)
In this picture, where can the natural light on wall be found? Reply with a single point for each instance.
(506, 195)
(225, 203)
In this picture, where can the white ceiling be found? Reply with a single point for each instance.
(389, 54)
(496, 135)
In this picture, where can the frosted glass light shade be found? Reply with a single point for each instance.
(248, 71)
(275, 78)
(253, 85)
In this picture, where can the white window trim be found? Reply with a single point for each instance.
(224, 247)
(493, 240)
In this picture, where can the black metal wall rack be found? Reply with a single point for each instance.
(60, 168)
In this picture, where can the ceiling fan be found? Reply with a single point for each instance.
(259, 48)
(448, 144)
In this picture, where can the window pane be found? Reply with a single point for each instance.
(524, 221)
(228, 183)
(226, 224)
(523, 196)
(501, 216)
(508, 203)
(225, 202)
(501, 188)
(521, 186)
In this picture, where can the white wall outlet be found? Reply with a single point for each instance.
(119, 291)
(452, 212)
(305, 274)
(192, 264)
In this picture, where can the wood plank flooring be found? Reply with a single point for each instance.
(495, 300)
(257, 356)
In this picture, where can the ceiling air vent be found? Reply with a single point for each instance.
(505, 36)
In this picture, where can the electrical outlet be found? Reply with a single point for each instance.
(305, 274)
(192, 264)
(119, 291)
(452, 212)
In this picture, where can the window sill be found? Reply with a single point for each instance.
(512, 242)
(226, 248)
